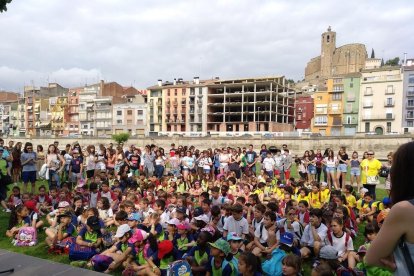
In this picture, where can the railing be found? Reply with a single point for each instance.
(350, 98)
(367, 104)
(389, 103)
(384, 117)
(389, 91)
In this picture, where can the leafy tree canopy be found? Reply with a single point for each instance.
(393, 62)
(3, 4)
(120, 137)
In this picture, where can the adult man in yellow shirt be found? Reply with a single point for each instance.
(370, 178)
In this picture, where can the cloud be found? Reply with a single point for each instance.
(140, 41)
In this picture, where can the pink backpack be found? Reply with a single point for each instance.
(27, 236)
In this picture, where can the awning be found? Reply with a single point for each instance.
(89, 105)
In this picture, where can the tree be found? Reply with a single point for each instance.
(3, 4)
(120, 137)
(372, 53)
(393, 62)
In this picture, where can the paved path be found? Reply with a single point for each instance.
(27, 265)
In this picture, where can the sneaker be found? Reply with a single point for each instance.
(7, 210)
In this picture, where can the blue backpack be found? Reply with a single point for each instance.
(274, 265)
(78, 252)
(233, 264)
(179, 268)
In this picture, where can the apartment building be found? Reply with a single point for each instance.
(21, 116)
(320, 122)
(351, 84)
(73, 124)
(86, 110)
(7, 99)
(381, 100)
(408, 96)
(250, 105)
(59, 115)
(176, 99)
(155, 108)
(103, 115)
(131, 116)
(304, 112)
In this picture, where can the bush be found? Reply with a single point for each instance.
(120, 137)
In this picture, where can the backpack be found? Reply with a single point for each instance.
(101, 262)
(274, 265)
(233, 264)
(343, 271)
(179, 268)
(384, 171)
(81, 253)
(347, 237)
(27, 236)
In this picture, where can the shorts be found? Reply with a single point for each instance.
(90, 173)
(207, 171)
(29, 177)
(270, 173)
(343, 168)
(356, 171)
(312, 169)
(75, 177)
(330, 169)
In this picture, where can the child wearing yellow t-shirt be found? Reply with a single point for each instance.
(350, 198)
(315, 197)
(325, 193)
(303, 195)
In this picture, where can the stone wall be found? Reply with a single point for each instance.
(382, 145)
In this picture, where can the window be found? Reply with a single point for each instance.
(183, 92)
(367, 127)
(351, 85)
(348, 120)
(129, 112)
(390, 89)
(85, 126)
(368, 91)
(410, 103)
(410, 90)
(175, 92)
(119, 112)
(140, 112)
(319, 98)
(129, 122)
(389, 101)
(411, 78)
(321, 120)
(168, 92)
(152, 127)
(389, 115)
(348, 108)
(336, 96)
(140, 122)
(410, 123)
(388, 126)
(119, 121)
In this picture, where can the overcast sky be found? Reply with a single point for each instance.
(136, 42)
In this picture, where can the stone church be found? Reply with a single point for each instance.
(334, 61)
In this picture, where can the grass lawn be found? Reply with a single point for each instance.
(40, 250)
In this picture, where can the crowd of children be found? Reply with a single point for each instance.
(217, 212)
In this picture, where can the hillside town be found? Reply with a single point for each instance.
(344, 93)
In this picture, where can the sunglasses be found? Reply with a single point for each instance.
(370, 154)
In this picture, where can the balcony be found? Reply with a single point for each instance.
(200, 95)
(167, 111)
(349, 123)
(175, 103)
(368, 93)
(388, 103)
(335, 111)
(191, 102)
(159, 103)
(409, 116)
(385, 117)
(183, 103)
(104, 127)
(320, 123)
(410, 94)
(409, 105)
(200, 103)
(367, 104)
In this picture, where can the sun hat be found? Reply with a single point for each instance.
(328, 252)
(93, 222)
(232, 236)
(364, 190)
(203, 218)
(173, 221)
(287, 239)
(139, 235)
(63, 204)
(134, 216)
(122, 230)
(221, 245)
(164, 248)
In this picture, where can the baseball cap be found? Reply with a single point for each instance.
(364, 190)
(324, 184)
(164, 248)
(1, 149)
(328, 252)
(362, 249)
(386, 201)
(287, 239)
(65, 214)
(31, 205)
(75, 151)
(122, 230)
(232, 236)
(203, 218)
(63, 204)
(182, 226)
(139, 235)
(134, 216)
(93, 222)
(221, 245)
